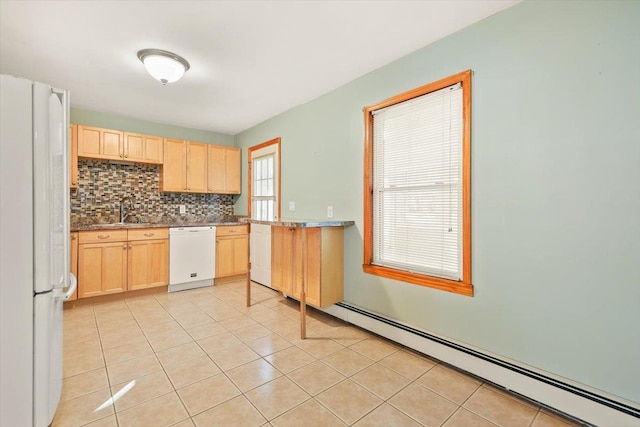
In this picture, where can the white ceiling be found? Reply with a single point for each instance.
(250, 60)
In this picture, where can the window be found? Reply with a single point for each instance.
(417, 186)
(263, 198)
(264, 180)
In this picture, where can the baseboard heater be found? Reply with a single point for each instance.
(570, 399)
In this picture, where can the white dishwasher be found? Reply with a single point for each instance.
(192, 257)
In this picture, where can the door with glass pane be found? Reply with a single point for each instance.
(264, 206)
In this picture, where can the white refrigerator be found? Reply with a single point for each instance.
(34, 248)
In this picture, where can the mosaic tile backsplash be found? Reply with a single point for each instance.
(101, 186)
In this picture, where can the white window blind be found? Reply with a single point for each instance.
(263, 197)
(417, 184)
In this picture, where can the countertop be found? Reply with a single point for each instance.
(301, 222)
(87, 224)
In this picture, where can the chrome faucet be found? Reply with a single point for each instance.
(125, 200)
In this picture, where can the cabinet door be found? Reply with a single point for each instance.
(158, 263)
(240, 254)
(89, 142)
(277, 252)
(224, 256)
(232, 168)
(174, 166)
(282, 259)
(102, 268)
(313, 259)
(133, 146)
(73, 157)
(196, 167)
(100, 143)
(216, 169)
(74, 261)
(112, 144)
(153, 149)
(147, 264)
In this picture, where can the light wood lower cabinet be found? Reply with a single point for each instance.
(102, 268)
(116, 260)
(148, 264)
(324, 258)
(232, 250)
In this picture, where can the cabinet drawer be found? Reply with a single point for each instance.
(149, 234)
(100, 236)
(231, 230)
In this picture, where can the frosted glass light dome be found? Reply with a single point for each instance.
(164, 66)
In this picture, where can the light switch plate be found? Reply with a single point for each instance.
(329, 211)
(292, 206)
(183, 209)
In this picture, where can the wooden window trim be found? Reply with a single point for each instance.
(464, 286)
(275, 141)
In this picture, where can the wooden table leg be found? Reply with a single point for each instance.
(303, 288)
(249, 269)
(249, 286)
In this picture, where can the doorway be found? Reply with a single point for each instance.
(264, 204)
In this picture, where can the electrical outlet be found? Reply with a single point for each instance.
(329, 211)
(292, 206)
(183, 209)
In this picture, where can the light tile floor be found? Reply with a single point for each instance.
(201, 358)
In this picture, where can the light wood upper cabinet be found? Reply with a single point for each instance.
(324, 258)
(133, 146)
(232, 250)
(174, 166)
(216, 175)
(153, 149)
(185, 166)
(189, 167)
(112, 144)
(232, 163)
(143, 148)
(196, 167)
(223, 169)
(73, 156)
(100, 143)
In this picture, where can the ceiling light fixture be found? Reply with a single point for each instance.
(164, 66)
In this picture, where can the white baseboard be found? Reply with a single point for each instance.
(549, 390)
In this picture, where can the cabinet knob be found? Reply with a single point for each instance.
(130, 246)
(124, 246)
(73, 237)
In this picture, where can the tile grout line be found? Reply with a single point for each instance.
(230, 302)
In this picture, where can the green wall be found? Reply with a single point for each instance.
(112, 121)
(555, 187)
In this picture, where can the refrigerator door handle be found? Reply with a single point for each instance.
(71, 290)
